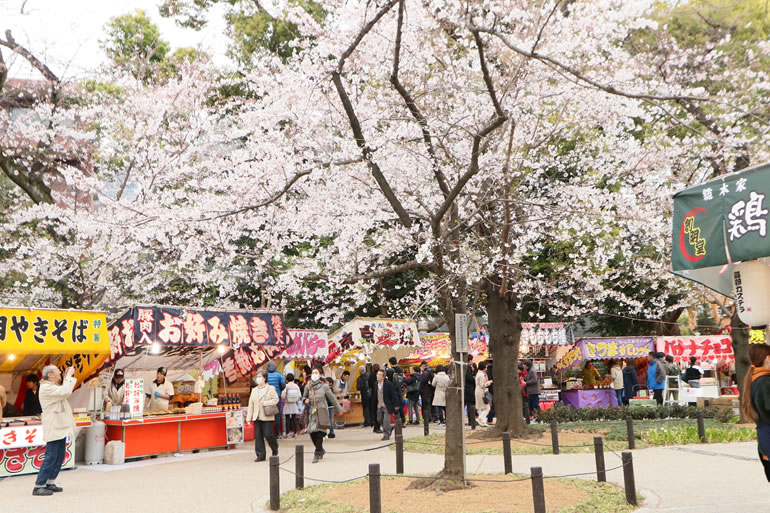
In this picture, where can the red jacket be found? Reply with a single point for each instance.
(523, 382)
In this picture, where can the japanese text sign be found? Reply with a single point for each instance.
(369, 334)
(438, 346)
(602, 349)
(546, 334)
(135, 396)
(718, 347)
(33, 331)
(307, 344)
(21, 436)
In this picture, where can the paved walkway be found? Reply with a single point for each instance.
(714, 478)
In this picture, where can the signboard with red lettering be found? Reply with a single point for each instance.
(29, 458)
(306, 345)
(369, 334)
(21, 436)
(135, 397)
(716, 347)
(437, 346)
(603, 349)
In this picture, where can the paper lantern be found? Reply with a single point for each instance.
(751, 289)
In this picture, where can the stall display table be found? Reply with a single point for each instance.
(353, 416)
(590, 398)
(22, 448)
(691, 395)
(169, 433)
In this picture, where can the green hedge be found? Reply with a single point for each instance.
(562, 413)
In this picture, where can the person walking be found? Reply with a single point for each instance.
(58, 424)
(262, 404)
(426, 391)
(318, 396)
(399, 386)
(482, 384)
(524, 398)
(291, 396)
(362, 384)
(616, 375)
(387, 403)
(656, 377)
(533, 387)
(470, 393)
(278, 382)
(440, 383)
(755, 400)
(413, 395)
(373, 398)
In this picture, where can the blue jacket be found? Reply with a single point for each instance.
(652, 371)
(277, 381)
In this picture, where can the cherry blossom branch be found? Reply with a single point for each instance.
(33, 186)
(379, 273)
(412, 106)
(547, 59)
(34, 61)
(363, 32)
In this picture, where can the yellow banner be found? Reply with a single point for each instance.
(32, 331)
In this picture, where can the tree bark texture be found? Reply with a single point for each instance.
(740, 335)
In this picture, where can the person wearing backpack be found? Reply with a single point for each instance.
(291, 396)
(399, 385)
(413, 395)
(656, 376)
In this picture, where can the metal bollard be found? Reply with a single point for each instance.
(275, 486)
(507, 453)
(375, 492)
(630, 432)
(601, 470)
(426, 425)
(538, 489)
(701, 427)
(628, 477)
(299, 467)
(399, 448)
(555, 436)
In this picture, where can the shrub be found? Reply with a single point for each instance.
(562, 413)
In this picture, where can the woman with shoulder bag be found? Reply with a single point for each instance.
(318, 399)
(483, 398)
(263, 407)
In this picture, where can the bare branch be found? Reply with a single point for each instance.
(487, 76)
(34, 61)
(363, 32)
(35, 188)
(412, 106)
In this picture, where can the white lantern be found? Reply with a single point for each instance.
(751, 289)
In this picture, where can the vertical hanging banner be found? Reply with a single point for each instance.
(135, 397)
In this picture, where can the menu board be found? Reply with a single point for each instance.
(135, 397)
(234, 426)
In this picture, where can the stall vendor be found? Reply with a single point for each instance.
(32, 400)
(589, 374)
(159, 393)
(116, 392)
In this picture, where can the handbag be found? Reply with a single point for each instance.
(324, 422)
(487, 397)
(271, 410)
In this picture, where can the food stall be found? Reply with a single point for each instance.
(713, 352)
(30, 339)
(591, 349)
(367, 340)
(217, 345)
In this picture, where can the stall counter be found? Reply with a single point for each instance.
(22, 446)
(151, 436)
(590, 398)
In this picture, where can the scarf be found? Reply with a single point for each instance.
(758, 372)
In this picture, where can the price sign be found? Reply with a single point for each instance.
(135, 397)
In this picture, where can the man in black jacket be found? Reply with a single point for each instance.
(387, 402)
(426, 391)
(362, 384)
(470, 393)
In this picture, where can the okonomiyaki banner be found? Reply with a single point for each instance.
(369, 334)
(602, 349)
(717, 347)
(145, 325)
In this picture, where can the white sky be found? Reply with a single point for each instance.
(65, 33)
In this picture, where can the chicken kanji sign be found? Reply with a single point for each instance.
(721, 222)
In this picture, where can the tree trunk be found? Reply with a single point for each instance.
(670, 327)
(504, 336)
(740, 335)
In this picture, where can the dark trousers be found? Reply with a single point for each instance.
(534, 403)
(441, 410)
(427, 404)
(318, 442)
(471, 415)
(291, 423)
(367, 409)
(52, 462)
(401, 412)
(277, 424)
(263, 430)
(525, 408)
(658, 395)
(373, 412)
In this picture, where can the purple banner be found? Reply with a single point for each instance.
(603, 349)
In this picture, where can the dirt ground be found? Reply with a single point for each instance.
(514, 497)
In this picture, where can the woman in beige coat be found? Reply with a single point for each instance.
(261, 396)
(440, 383)
(482, 383)
(58, 425)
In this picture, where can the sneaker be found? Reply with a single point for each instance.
(385, 438)
(54, 488)
(40, 490)
(332, 435)
(316, 458)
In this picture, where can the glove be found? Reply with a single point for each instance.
(157, 394)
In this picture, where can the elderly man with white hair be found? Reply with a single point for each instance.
(58, 424)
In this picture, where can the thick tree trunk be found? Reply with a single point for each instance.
(670, 327)
(740, 335)
(504, 336)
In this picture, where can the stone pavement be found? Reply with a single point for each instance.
(723, 478)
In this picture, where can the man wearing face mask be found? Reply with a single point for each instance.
(318, 399)
(159, 392)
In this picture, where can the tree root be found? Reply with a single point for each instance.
(442, 482)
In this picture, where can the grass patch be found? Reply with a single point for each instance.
(682, 435)
(596, 498)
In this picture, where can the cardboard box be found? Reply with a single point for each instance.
(718, 402)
